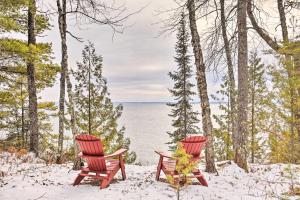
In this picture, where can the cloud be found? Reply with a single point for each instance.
(136, 63)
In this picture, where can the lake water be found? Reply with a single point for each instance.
(146, 125)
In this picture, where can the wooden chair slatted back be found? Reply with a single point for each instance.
(193, 145)
(92, 150)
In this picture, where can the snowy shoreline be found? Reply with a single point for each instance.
(30, 181)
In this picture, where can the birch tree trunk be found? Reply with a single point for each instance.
(202, 87)
(242, 102)
(230, 72)
(77, 160)
(64, 62)
(65, 78)
(33, 118)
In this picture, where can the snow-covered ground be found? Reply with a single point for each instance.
(33, 180)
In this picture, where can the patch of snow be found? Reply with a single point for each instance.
(35, 180)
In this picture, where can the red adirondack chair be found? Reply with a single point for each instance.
(193, 145)
(103, 167)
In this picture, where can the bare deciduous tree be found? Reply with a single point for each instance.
(242, 99)
(230, 71)
(276, 46)
(202, 87)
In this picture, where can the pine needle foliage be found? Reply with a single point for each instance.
(284, 138)
(96, 113)
(223, 132)
(15, 53)
(184, 119)
(258, 103)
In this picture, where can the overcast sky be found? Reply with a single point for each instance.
(137, 62)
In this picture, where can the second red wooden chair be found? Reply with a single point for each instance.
(193, 145)
(103, 167)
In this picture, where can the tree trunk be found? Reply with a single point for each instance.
(284, 30)
(202, 87)
(295, 91)
(262, 33)
(64, 62)
(22, 118)
(275, 46)
(231, 79)
(64, 65)
(185, 97)
(18, 144)
(241, 146)
(77, 160)
(89, 87)
(252, 113)
(33, 117)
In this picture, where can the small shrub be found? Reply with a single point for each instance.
(48, 156)
(291, 174)
(22, 152)
(184, 167)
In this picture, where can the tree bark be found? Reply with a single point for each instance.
(295, 91)
(276, 47)
(284, 30)
(202, 87)
(231, 79)
(33, 117)
(77, 160)
(261, 32)
(242, 103)
(252, 113)
(89, 96)
(22, 118)
(65, 78)
(64, 62)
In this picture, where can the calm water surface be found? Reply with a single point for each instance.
(147, 125)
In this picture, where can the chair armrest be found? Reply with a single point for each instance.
(162, 154)
(117, 153)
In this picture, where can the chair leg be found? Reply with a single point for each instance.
(201, 179)
(78, 179)
(159, 166)
(122, 166)
(104, 183)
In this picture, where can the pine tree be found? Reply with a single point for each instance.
(284, 138)
(258, 101)
(184, 118)
(202, 86)
(223, 133)
(96, 113)
(16, 54)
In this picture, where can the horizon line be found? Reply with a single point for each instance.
(163, 102)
